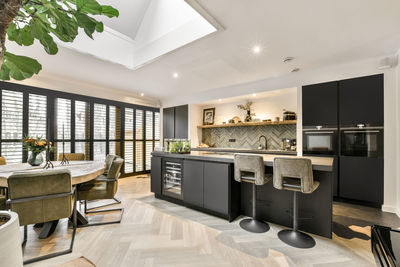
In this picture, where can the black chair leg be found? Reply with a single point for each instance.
(253, 225)
(294, 237)
(115, 201)
(121, 210)
(25, 235)
(63, 252)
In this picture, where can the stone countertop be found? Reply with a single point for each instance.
(319, 163)
(245, 150)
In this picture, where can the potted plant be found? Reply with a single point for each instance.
(36, 146)
(10, 245)
(247, 108)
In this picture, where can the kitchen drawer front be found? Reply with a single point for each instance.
(361, 179)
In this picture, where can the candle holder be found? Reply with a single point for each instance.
(64, 160)
(48, 164)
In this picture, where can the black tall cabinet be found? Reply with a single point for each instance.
(361, 101)
(320, 104)
(175, 122)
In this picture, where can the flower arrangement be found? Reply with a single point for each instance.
(247, 108)
(36, 145)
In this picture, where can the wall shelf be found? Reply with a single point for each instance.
(242, 124)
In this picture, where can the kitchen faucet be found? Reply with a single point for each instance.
(259, 140)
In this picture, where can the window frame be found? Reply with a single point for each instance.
(51, 122)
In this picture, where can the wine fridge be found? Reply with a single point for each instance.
(172, 178)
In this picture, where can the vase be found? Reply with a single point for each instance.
(248, 116)
(35, 159)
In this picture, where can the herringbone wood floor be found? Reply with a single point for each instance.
(157, 233)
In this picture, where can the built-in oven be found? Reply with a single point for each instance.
(362, 142)
(172, 178)
(320, 140)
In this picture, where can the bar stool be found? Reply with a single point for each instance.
(250, 169)
(295, 174)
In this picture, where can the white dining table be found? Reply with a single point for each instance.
(81, 171)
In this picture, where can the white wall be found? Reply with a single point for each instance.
(58, 83)
(332, 73)
(267, 107)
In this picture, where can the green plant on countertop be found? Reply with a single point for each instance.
(23, 21)
(247, 108)
(179, 147)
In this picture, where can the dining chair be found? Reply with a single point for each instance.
(72, 156)
(3, 161)
(43, 196)
(107, 164)
(101, 188)
(3, 190)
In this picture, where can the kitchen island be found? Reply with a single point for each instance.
(205, 181)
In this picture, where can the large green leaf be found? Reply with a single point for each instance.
(4, 73)
(20, 67)
(109, 11)
(88, 6)
(86, 22)
(39, 31)
(20, 36)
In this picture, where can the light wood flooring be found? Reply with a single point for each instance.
(158, 233)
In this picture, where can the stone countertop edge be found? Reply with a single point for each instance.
(215, 157)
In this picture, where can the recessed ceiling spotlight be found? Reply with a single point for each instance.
(254, 94)
(295, 70)
(287, 59)
(175, 75)
(141, 94)
(219, 100)
(256, 49)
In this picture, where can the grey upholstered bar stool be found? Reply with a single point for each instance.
(250, 168)
(295, 174)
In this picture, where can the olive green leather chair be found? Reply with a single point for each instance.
(72, 156)
(103, 187)
(42, 196)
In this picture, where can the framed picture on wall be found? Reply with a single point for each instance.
(208, 116)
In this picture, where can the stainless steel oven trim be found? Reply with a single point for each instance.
(362, 128)
(362, 131)
(322, 132)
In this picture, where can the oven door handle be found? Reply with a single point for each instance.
(329, 132)
(367, 131)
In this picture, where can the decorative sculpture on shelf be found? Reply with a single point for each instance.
(247, 108)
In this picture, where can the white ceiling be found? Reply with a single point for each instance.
(131, 14)
(317, 33)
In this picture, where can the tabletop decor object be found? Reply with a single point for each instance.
(208, 116)
(36, 146)
(49, 148)
(247, 108)
(64, 158)
(178, 146)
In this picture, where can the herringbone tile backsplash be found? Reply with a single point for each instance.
(247, 136)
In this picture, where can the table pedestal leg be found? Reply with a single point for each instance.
(48, 229)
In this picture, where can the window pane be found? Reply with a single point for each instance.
(63, 118)
(82, 120)
(83, 147)
(58, 150)
(139, 124)
(115, 148)
(99, 126)
(112, 121)
(99, 150)
(37, 115)
(157, 144)
(128, 157)
(11, 110)
(149, 125)
(139, 156)
(157, 125)
(12, 151)
(128, 123)
(149, 149)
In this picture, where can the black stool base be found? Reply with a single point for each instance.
(296, 239)
(254, 226)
